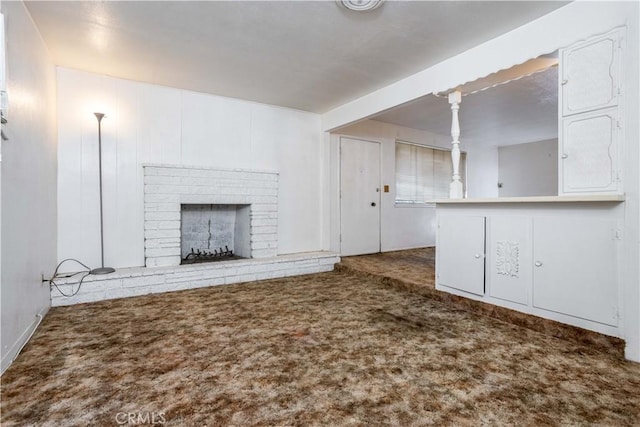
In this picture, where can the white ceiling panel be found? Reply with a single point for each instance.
(308, 55)
(524, 110)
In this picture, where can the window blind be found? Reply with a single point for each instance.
(424, 173)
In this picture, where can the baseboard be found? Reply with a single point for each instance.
(21, 341)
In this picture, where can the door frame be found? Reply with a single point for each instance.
(379, 183)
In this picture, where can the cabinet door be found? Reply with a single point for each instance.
(460, 252)
(574, 269)
(590, 74)
(589, 152)
(509, 258)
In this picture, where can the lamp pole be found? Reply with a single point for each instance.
(102, 269)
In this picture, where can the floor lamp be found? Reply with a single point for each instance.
(102, 269)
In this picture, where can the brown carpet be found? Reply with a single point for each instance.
(414, 271)
(325, 349)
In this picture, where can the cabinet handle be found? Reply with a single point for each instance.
(538, 264)
(564, 82)
(477, 256)
(564, 156)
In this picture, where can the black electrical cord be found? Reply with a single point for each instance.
(55, 276)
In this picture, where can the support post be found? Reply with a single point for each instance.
(455, 188)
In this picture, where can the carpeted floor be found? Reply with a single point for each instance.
(327, 349)
(414, 271)
(416, 268)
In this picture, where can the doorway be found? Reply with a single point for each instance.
(359, 196)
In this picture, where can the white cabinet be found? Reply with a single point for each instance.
(590, 104)
(460, 253)
(590, 74)
(589, 156)
(560, 264)
(575, 263)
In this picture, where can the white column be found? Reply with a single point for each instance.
(455, 188)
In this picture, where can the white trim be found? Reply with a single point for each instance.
(22, 340)
(540, 199)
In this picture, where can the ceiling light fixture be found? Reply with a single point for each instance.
(359, 5)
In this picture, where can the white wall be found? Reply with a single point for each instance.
(482, 170)
(529, 169)
(402, 227)
(28, 181)
(154, 124)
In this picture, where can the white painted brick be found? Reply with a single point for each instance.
(305, 263)
(156, 234)
(162, 252)
(143, 281)
(179, 278)
(264, 199)
(162, 216)
(169, 225)
(271, 237)
(150, 171)
(161, 207)
(163, 261)
(161, 198)
(264, 222)
(263, 253)
(170, 171)
(262, 245)
(264, 230)
(264, 207)
(216, 199)
(264, 215)
(151, 225)
(240, 278)
(168, 243)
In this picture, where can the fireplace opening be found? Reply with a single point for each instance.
(214, 232)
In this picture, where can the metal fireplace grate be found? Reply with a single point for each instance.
(198, 256)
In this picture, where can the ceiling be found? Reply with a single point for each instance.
(308, 55)
(520, 111)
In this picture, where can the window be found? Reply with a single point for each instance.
(424, 173)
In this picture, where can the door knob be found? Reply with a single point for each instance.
(477, 256)
(373, 203)
(538, 264)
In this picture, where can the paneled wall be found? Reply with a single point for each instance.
(153, 124)
(28, 181)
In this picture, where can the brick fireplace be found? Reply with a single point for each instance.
(168, 189)
(246, 201)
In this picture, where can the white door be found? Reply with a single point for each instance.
(460, 252)
(575, 264)
(590, 74)
(589, 152)
(359, 196)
